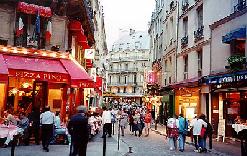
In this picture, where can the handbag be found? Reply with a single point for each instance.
(203, 130)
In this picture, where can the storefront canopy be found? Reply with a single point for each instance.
(3, 66)
(3, 69)
(76, 71)
(34, 64)
(239, 33)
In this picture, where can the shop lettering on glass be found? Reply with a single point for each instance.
(43, 76)
(234, 78)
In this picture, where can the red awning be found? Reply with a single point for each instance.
(33, 9)
(3, 66)
(34, 64)
(36, 68)
(77, 73)
(75, 26)
(89, 63)
(3, 69)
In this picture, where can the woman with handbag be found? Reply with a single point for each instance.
(198, 132)
(172, 132)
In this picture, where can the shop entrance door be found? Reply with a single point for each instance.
(40, 94)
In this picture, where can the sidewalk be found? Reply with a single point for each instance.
(219, 148)
(94, 148)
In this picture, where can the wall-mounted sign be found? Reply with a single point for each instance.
(55, 77)
(227, 78)
(89, 54)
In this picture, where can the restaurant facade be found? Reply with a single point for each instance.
(42, 55)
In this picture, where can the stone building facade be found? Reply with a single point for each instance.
(128, 60)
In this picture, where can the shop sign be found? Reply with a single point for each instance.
(86, 85)
(228, 79)
(40, 75)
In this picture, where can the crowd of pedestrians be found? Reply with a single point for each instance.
(198, 129)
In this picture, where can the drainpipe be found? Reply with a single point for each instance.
(210, 70)
(176, 49)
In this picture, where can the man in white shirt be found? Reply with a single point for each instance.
(197, 125)
(47, 120)
(106, 121)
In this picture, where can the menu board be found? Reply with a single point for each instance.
(221, 128)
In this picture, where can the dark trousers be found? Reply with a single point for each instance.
(79, 147)
(34, 130)
(198, 141)
(107, 129)
(47, 133)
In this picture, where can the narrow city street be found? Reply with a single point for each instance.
(153, 145)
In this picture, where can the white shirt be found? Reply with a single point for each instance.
(106, 117)
(197, 126)
(172, 122)
(47, 118)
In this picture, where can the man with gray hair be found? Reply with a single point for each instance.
(78, 129)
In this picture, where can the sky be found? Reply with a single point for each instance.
(126, 14)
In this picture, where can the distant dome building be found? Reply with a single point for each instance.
(128, 60)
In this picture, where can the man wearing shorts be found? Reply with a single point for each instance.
(147, 120)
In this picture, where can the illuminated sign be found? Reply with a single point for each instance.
(56, 77)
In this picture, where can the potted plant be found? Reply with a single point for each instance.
(236, 62)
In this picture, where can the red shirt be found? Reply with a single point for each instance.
(148, 118)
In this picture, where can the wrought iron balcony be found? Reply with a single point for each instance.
(185, 6)
(240, 6)
(184, 41)
(123, 70)
(198, 34)
(89, 11)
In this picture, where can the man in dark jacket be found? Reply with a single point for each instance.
(78, 129)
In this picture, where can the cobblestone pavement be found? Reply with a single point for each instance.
(157, 145)
(153, 145)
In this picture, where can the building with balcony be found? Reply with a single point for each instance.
(128, 60)
(227, 79)
(193, 53)
(42, 46)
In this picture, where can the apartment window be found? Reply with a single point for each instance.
(126, 66)
(185, 26)
(137, 44)
(134, 89)
(118, 90)
(110, 79)
(199, 54)
(125, 79)
(119, 79)
(186, 67)
(134, 78)
(124, 90)
(200, 16)
(128, 45)
(170, 79)
(166, 64)
(165, 82)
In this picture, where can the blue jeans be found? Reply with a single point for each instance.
(181, 141)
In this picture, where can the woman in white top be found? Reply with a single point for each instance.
(197, 125)
(172, 131)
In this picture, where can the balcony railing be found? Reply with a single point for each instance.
(240, 6)
(123, 70)
(184, 41)
(89, 11)
(185, 6)
(128, 58)
(122, 84)
(198, 34)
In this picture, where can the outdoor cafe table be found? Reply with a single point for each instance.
(9, 131)
(239, 127)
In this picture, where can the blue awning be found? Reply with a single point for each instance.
(227, 78)
(235, 34)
